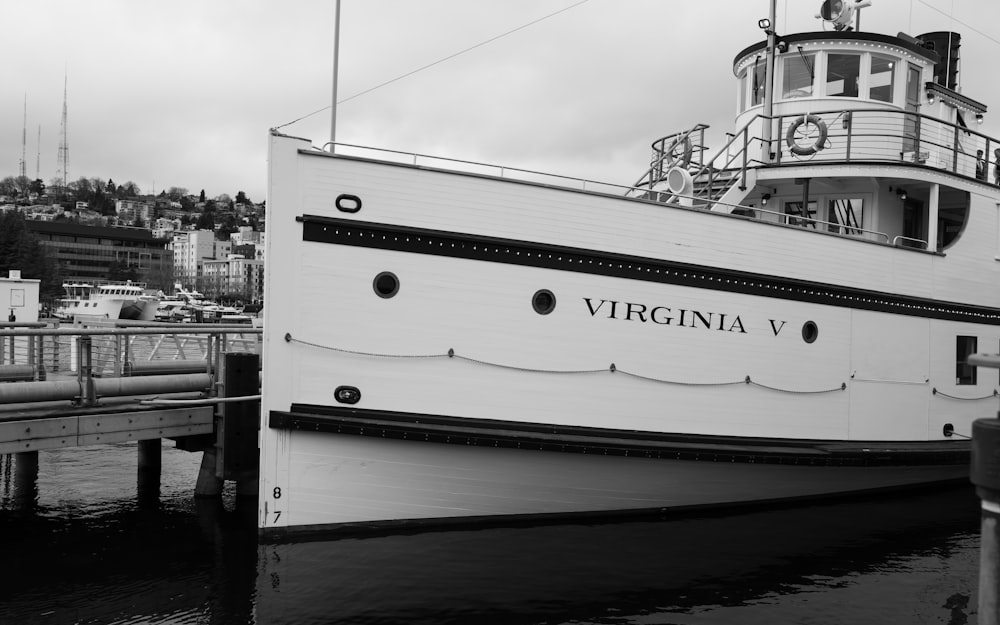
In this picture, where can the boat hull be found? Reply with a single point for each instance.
(349, 471)
(139, 310)
(480, 349)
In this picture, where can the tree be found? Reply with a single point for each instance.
(201, 198)
(241, 198)
(20, 249)
(8, 187)
(110, 188)
(23, 184)
(130, 189)
(176, 193)
(120, 271)
(83, 188)
(227, 227)
(206, 221)
(37, 186)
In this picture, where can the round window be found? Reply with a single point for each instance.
(810, 331)
(386, 284)
(543, 301)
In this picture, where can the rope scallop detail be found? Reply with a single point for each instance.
(611, 369)
(934, 391)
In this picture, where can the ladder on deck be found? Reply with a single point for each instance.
(685, 150)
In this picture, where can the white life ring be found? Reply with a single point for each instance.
(811, 148)
(680, 152)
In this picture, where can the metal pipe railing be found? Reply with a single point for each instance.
(104, 359)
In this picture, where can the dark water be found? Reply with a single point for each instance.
(91, 547)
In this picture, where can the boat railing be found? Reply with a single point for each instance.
(820, 225)
(485, 169)
(685, 149)
(886, 136)
(909, 242)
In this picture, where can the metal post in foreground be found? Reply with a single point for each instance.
(985, 474)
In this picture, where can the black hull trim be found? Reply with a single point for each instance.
(472, 247)
(610, 442)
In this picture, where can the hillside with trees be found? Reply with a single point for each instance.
(20, 249)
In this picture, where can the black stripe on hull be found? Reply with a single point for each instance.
(601, 441)
(509, 251)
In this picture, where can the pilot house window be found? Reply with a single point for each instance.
(758, 75)
(881, 78)
(842, 74)
(798, 81)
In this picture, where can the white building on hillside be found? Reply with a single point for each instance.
(235, 276)
(191, 249)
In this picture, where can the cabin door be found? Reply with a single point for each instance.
(911, 122)
(915, 224)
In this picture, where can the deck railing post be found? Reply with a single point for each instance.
(127, 356)
(84, 371)
(55, 349)
(117, 359)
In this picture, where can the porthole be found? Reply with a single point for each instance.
(543, 301)
(810, 331)
(347, 203)
(347, 394)
(386, 284)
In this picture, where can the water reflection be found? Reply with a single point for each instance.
(97, 545)
(622, 572)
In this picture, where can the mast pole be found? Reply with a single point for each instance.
(336, 55)
(768, 131)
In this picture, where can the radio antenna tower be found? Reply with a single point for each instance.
(38, 154)
(63, 157)
(24, 140)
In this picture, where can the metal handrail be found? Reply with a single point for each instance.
(189, 328)
(860, 135)
(112, 352)
(783, 218)
(900, 238)
(501, 171)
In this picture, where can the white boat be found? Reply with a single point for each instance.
(107, 300)
(186, 306)
(783, 316)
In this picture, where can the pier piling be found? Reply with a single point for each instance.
(148, 474)
(208, 483)
(25, 476)
(241, 423)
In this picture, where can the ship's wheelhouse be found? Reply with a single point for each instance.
(847, 101)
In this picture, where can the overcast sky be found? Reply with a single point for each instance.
(182, 92)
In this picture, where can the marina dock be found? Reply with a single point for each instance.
(113, 382)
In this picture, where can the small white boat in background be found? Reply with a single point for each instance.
(107, 300)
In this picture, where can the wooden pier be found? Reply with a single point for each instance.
(104, 383)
